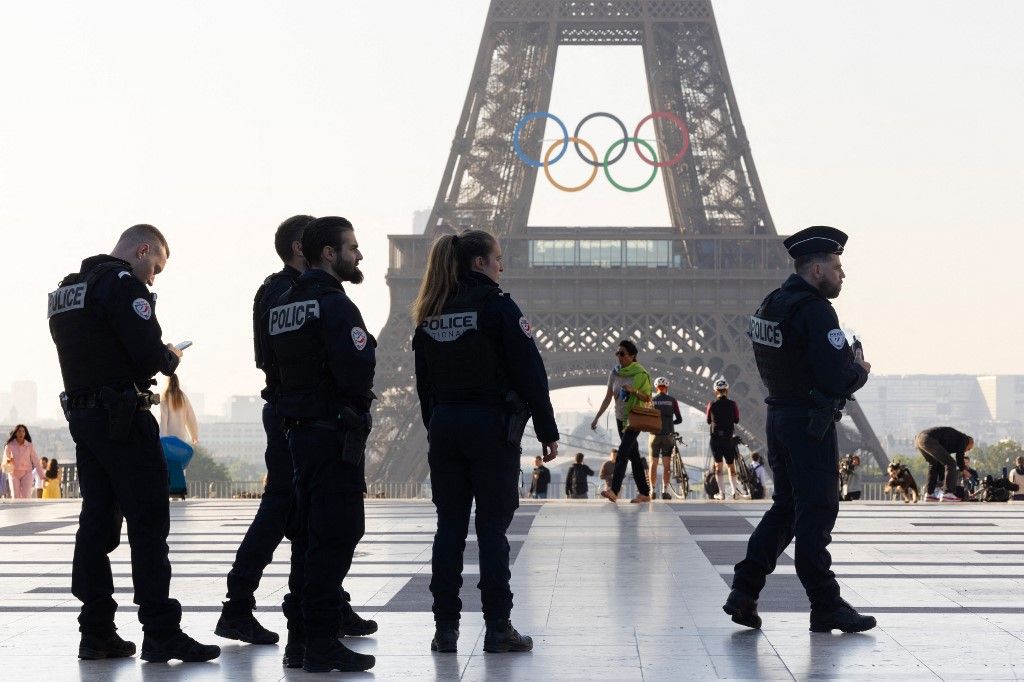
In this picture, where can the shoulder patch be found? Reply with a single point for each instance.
(71, 297)
(359, 338)
(291, 316)
(142, 308)
(524, 324)
(450, 326)
(837, 338)
(123, 274)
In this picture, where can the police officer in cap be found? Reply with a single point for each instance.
(275, 517)
(108, 340)
(809, 370)
(479, 376)
(325, 360)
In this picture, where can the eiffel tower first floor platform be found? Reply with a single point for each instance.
(627, 592)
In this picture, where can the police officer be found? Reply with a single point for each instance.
(479, 375)
(103, 323)
(723, 414)
(809, 370)
(275, 517)
(325, 361)
(662, 443)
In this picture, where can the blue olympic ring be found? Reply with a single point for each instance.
(519, 129)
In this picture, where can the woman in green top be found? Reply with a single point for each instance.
(629, 385)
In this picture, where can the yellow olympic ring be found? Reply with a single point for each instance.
(594, 168)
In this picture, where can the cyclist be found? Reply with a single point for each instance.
(723, 415)
(660, 444)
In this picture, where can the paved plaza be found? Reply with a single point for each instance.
(610, 593)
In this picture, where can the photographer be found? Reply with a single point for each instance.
(849, 476)
(944, 448)
(1017, 478)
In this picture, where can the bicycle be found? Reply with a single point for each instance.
(743, 473)
(679, 480)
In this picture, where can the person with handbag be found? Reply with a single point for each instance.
(629, 385)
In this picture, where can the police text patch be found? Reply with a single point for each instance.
(524, 324)
(71, 297)
(142, 308)
(449, 327)
(837, 338)
(290, 317)
(765, 332)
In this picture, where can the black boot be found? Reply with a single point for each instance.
(323, 657)
(743, 609)
(500, 637)
(239, 623)
(352, 625)
(176, 646)
(446, 637)
(843, 617)
(294, 650)
(108, 645)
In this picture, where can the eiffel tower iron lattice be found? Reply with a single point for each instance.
(683, 293)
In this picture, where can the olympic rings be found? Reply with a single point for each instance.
(636, 141)
(519, 129)
(594, 163)
(577, 141)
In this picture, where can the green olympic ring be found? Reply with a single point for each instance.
(608, 173)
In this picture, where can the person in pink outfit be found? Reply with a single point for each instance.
(20, 455)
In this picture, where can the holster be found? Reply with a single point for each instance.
(65, 405)
(823, 414)
(356, 429)
(121, 407)
(517, 414)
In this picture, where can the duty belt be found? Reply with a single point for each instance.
(323, 424)
(91, 401)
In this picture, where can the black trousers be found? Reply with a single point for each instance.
(940, 462)
(470, 459)
(330, 521)
(629, 451)
(805, 506)
(130, 479)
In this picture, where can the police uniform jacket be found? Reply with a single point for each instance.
(103, 322)
(481, 308)
(318, 342)
(799, 346)
(266, 297)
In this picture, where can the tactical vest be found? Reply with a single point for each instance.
(778, 349)
(293, 325)
(723, 415)
(89, 353)
(259, 336)
(463, 363)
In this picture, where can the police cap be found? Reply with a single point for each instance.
(816, 239)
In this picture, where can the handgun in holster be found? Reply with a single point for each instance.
(517, 414)
(65, 405)
(121, 407)
(825, 412)
(355, 429)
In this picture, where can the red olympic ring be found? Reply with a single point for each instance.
(682, 129)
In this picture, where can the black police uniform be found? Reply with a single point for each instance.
(108, 340)
(723, 414)
(799, 347)
(467, 358)
(325, 362)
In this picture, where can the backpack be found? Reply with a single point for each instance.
(756, 489)
(710, 483)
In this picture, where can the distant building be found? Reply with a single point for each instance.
(419, 221)
(25, 399)
(1004, 396)
(246, 409)
(234, 440)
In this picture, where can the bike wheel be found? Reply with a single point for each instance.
(677, 477)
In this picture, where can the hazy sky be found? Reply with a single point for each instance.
(899, 122)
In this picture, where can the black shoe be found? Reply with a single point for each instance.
(743, 609)
(294, 651)
(446, 637)
(335, 656)
(178, 646)
(844, 617)
(244, 627)
(94, 647)
(352, 625)
(501, 637)
(666, 496)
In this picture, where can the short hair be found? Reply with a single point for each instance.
(579, 458)
(629, 346)
(802, 264)
(755, 456)
(320, 233)
(288, 232)
(137, 234)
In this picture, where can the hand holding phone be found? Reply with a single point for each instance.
(183, 345)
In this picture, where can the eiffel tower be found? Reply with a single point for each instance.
(682, 293)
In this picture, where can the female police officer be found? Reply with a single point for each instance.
(478, 376)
